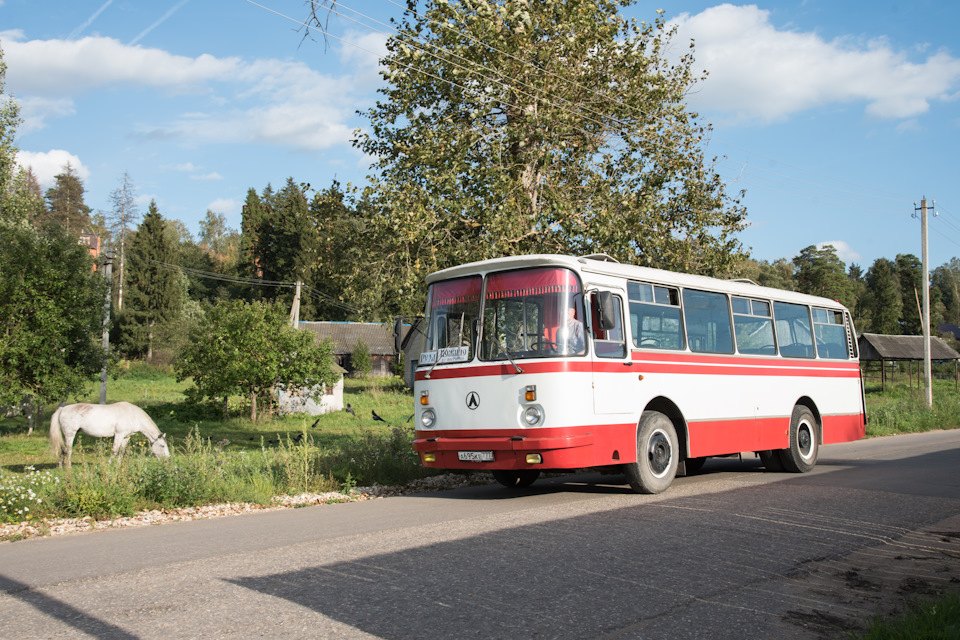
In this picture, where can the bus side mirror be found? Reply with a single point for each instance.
(606, 310)
(398, 335)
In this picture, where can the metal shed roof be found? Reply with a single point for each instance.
(377, 337)
(876, 346)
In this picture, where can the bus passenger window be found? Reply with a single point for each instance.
(610, 343)
(831, 334)
(655, 316)
(793, 330)
(753, 326)
(707, 316)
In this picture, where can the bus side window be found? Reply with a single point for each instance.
(608, 344)
(707, 316)
(793, 330)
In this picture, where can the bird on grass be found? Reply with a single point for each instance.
(314, 425)
(376, 417)
(299, 438)
(350, 410)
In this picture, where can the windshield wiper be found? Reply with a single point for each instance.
(503, 348)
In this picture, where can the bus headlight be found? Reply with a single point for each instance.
(532, 416)
(428, 418)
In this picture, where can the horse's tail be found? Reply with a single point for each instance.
(56, 436)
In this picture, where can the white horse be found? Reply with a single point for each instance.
(120, 420)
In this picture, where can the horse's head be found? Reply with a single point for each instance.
(159, 447)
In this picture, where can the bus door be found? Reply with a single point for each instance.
(609, 354)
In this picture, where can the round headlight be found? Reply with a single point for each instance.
(532, 416)
(428, 418)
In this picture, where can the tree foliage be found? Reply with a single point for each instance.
(516, 127)
(65, 202)
(51, 309)
(154, 294)
(820, 272)
(247, 348)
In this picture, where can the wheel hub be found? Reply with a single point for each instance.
(659, 453)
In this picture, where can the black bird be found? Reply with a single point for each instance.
(299, 438)
(376, 417)
(273, 441)
(350, 410)
(411, 417)
(314, 425)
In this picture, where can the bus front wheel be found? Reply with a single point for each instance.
(517, 479)
(804, 443)
(657, 454)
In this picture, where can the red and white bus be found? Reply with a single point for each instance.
(548, 362)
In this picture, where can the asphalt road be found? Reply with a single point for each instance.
(733, 552)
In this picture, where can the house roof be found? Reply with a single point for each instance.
(345, 335)
(875, 346)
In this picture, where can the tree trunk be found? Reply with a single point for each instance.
(253, 405)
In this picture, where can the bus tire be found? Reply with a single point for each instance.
(804, 443)
(658, 452)
(771, 460)
(516, 479)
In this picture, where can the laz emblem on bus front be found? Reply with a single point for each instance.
(473, 400)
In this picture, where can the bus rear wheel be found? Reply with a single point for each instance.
(517, 479)
(804, 443)
(657, 454)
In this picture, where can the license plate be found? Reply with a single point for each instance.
(475, 456)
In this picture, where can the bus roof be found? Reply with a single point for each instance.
(601, 265)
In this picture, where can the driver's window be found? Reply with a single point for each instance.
(609, 343)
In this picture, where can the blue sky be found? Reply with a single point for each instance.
(836, 117)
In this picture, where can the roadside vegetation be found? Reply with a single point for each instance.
(213, 459)
(934, 619)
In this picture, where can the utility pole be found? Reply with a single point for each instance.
(295, 309)
(108, 274)
(925, 319)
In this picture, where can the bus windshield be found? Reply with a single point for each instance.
(532, 313)
(452, 313)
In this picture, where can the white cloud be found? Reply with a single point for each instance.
(226, 206)
(844, 251)
(758, 71)
(68, 67)
(271, 101)
(47, 164)
(208, 176)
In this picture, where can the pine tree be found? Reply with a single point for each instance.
(154, 293)
(65, 205)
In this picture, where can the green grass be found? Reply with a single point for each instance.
(937, 619)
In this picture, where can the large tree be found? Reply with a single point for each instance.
(821, 272)
(554, 126)
(65, 202)
(51, 313)
(883, 301)
(154, 294)
(247, 348)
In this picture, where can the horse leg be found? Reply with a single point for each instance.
(119, 444)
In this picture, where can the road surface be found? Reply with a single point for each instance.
(733, 552)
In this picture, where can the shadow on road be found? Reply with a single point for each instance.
(62, 611)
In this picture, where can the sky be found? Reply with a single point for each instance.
(836, 118)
